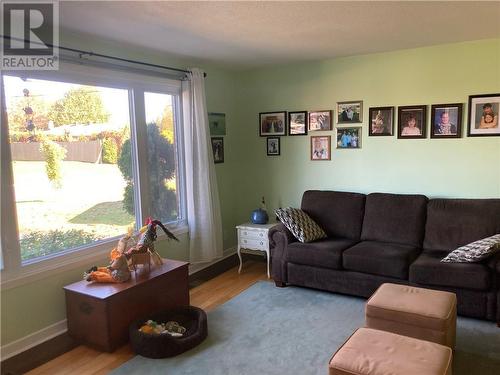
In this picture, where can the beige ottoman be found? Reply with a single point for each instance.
(416, 312)
(373, 352)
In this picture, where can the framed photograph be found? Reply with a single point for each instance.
(297, 123)
(350, 112)
(321, 147)
(412, 121)
(273, 146)
(218, 149)
(320, 120)
(217, 123)
(381, 121)
(484, 115)
(272, 123)
(349, 137)
(446, 120)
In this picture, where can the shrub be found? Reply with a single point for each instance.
(161, 169)
(36, 244)
(109, 151)
(54, 155)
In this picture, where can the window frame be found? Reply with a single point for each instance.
(15, 272)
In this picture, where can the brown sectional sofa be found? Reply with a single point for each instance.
(380, 237)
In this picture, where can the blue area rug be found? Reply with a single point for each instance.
(269, 330)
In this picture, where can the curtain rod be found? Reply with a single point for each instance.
(90, 53)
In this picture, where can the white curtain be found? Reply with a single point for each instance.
(203, 207)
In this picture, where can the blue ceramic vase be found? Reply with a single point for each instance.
(259, 216)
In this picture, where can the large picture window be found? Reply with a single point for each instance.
(89, 159)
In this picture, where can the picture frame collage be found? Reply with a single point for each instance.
(412, 123)
(217, 126)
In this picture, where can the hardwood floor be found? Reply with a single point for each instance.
(209, 295)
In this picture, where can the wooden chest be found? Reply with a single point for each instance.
(99, 315)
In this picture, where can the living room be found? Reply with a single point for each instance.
(262, 65)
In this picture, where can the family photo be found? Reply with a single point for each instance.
(320, 148)
(446, 120)
(272, 123)
(411, 121)
(349, 112)
(349, 137)
(382, 121)
(483, 115)
(320, 120)
(218, 149)
(297, 123)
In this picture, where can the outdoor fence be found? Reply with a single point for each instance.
(88, 151)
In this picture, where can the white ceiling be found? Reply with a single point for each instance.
(243, 34)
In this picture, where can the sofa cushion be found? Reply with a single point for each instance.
(429, 270)
(340, 214)
(325, 253)
(475, 251)
(380, 258)
(300, 224)
(395, 218)
(456, 222)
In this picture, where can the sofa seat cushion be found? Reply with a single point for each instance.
(326, 253)
(380, 258)
(429, 270)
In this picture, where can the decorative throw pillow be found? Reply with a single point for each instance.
(475, 251)
(300, 224)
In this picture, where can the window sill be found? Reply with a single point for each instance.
(47, 267)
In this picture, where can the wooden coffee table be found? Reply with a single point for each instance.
(99, 314)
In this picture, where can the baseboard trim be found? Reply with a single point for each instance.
(50, 342)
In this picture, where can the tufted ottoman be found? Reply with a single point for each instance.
(416, 312)
(373, 352)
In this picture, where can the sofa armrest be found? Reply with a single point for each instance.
(279, 239)
(494, 263)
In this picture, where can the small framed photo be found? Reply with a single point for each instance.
(272, 123)
(273, 146)
(320, 120)
(321, 147)
(218, 149)
(484, 115)
(217, 123)
(412, 121)
(297, 123)
(381, 121)
(350, 112)
(349, 137)
(446, 120)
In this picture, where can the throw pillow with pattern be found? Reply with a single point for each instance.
(300, 224)
(475, 251)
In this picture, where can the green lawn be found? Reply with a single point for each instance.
(87, 206)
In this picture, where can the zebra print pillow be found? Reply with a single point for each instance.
(475, 251)
(300, 224)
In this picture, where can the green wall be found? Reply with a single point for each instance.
(465, 167)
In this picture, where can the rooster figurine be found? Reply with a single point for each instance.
(147, 239)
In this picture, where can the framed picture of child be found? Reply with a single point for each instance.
(446, 120)
(412, 121)
(218, 149)
(273, 146)
(484, 115)
(348, 138)
(321, 147)
(381, 121)
(320, 120)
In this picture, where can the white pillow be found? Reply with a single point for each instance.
(475, 251)
(300, 224)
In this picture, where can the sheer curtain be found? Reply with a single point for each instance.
(203, 206)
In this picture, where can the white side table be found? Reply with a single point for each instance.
(254, 237)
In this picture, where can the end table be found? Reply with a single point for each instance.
(254, 237)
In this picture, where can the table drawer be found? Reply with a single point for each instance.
(253, 234)
(254, 244)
